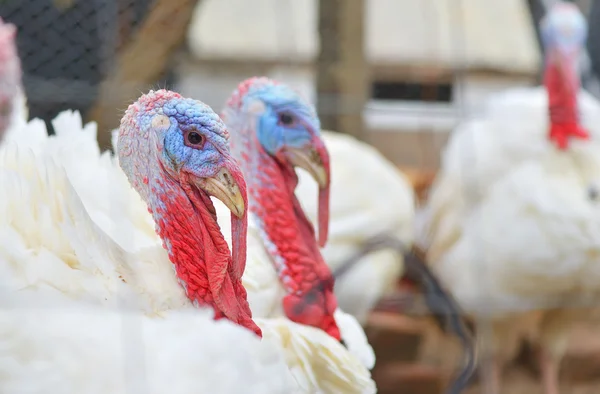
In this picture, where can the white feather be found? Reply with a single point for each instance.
(74, 229)
(73, 348)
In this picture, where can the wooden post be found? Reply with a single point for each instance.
(141, 61)
(343, 80)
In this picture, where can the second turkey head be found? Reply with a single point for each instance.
(273, 131)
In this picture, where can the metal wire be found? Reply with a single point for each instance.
(443, 307)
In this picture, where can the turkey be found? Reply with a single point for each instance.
(61, 268)
(272, 131)
(513, 128)
(512, 220)
(12, 99)
(369, 197)
(317, 362)
(75, 231)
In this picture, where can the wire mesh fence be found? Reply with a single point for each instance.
(68, 47)
(77, 54)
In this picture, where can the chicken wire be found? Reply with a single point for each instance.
(67, 47)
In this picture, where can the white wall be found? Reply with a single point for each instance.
(214, 85)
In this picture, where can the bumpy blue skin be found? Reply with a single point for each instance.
(150, 154)
(272, 134)
(189, 115)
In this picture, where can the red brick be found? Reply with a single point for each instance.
(400, 378)
(394, 337)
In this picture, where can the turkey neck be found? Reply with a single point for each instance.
(289, 234)
(186, 221)
(562, 83)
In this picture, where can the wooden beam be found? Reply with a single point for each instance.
(141, 62)
(342, 68)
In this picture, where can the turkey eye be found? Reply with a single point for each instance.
(194, 138)
(286, 119)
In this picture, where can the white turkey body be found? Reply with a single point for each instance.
(70, 293)
(533, 242)
(84, 350)
(74, 229)
(510, 227)
(482, 150)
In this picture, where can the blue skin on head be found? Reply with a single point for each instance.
(281, 105)
(564, 29)
(191, 122)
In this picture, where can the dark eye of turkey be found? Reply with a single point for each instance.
(286, 119)
(593, 193)
(194, 138)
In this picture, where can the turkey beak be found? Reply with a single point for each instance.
(229, 186)
(224, 187)
(314, 158)
(309, 159)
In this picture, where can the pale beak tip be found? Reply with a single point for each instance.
(224, 188)
(238, 206)
(321, 177)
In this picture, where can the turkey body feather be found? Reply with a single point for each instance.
(74, 231)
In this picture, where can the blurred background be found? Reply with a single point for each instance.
(398, 74)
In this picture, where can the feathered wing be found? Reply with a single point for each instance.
(369, 196)
(318, 362)
(51, 241)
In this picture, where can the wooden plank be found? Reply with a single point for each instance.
(142, 60)
(342, 68)
(400, 378)
(394, 337)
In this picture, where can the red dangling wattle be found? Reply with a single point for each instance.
(562, 85)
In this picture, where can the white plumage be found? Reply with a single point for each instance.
(83, 350)
(511, 225)
(512, 129)
(534, 240)
(74, 229)
(369, 196)
(70, 293)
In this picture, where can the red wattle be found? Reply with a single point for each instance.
(323, 215)
(239, 226)
(562, 85)
(560, 133)
(303, 273)
(187, 223)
